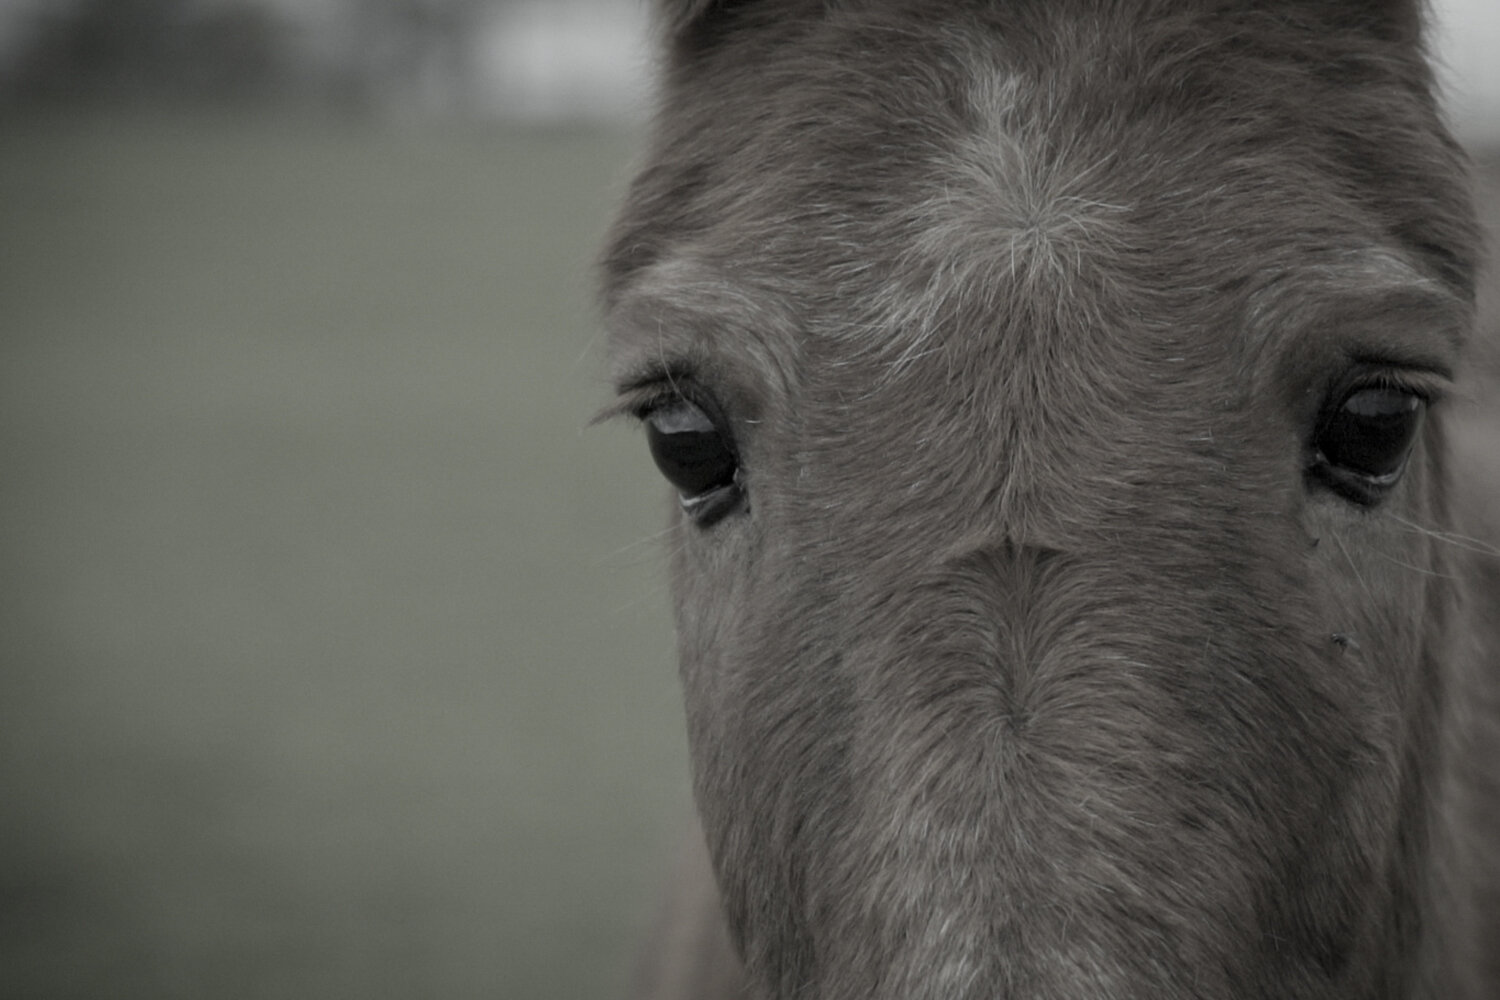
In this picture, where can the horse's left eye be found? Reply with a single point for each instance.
(697, 456)
(1363, 444)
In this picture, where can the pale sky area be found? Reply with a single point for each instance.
(545, 58)
(1467, 45)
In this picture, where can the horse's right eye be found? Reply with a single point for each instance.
(1363, 444)
(697, 456)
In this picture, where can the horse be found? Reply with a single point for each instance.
(1077, 589)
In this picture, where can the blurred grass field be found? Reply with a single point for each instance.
(334, 656)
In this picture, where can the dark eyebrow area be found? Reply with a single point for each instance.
(683, 325)
(1390, 317)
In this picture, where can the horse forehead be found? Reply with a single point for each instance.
(1022, 228)
(982, 265)
(950, 236)
(992, 254)
(1003, 234)
(991, 245)
(983, 252)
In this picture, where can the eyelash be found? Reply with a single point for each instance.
(1383, 374)
(641, 397)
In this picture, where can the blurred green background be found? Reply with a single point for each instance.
(336, 659)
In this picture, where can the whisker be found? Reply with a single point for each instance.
(1467, 543)
(645, 596)
(632, 547)
(1417, 569)
(1354, 567)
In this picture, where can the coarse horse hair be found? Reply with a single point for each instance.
(1080, 590)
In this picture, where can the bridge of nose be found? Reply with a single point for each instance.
(1035, 436)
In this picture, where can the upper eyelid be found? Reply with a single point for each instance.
(633, 404)
(1360, 367)
(638, 396)
(1399, 364)
(658, 377)
(640, 391)
(1431, 384)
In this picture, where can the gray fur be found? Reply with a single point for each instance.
(1036, 667)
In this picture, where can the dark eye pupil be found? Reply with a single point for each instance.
(689, 449)
(1371, 432)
